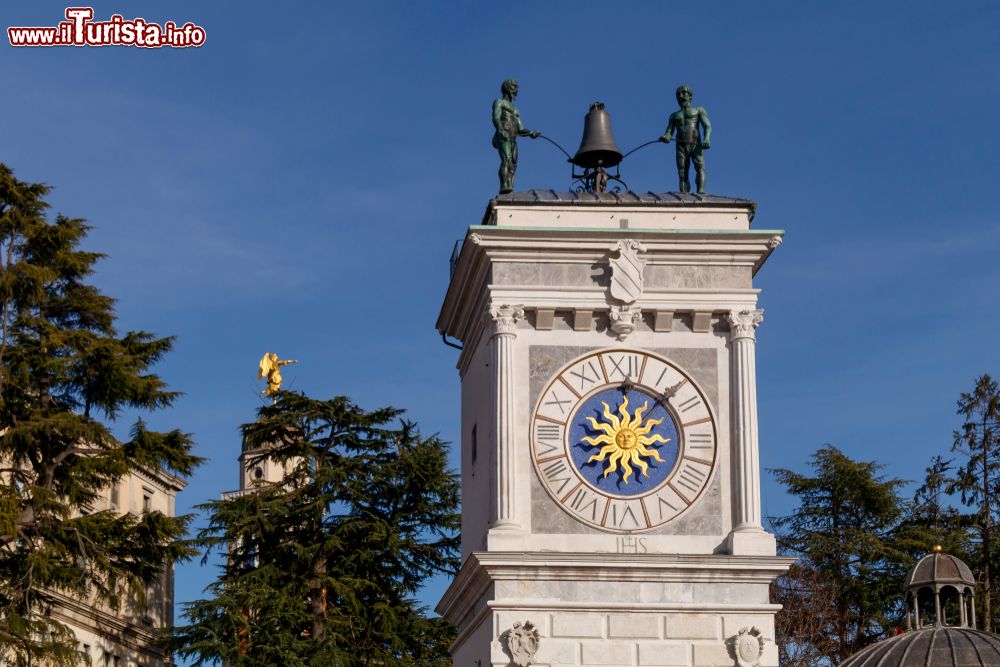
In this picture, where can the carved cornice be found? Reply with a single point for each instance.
(165, 481)
(471, 287)
(742, 323)
(126, 627)
(504, 319)
(481, 569)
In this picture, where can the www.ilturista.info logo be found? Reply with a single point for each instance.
(81, 30)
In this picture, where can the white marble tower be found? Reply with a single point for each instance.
(610, 469)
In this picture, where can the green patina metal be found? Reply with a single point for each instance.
(507, 123)
(693, 136)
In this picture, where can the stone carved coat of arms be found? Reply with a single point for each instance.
(749, 647)
(522, 643)
(626, 271)
(626, 286)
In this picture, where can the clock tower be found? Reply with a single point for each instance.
(610, 474)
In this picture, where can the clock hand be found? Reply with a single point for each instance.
(668, 393)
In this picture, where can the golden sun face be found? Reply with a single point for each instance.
(625, 439)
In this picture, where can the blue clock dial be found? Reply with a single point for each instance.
(623, 440)
(623, 443)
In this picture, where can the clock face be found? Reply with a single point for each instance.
(623, 440)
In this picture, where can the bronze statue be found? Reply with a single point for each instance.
(507, 121)
(270, 367)
(690, 142)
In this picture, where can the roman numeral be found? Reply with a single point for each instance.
(699, 441)
(548, 438)
(689, 403)
(559, 403)
(691, 479)
(557, 472)
(619, 518)
(624, 366)
(580, 505)
(588, 375)
(660, 503)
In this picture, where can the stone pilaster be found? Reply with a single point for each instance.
(748, 535)
(503, 321)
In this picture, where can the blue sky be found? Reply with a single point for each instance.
(297, 183)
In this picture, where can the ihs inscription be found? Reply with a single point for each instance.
(629, 544)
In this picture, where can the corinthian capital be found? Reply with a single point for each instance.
(743, 322)
(504, 319)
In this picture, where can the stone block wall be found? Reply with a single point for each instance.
(634, 639)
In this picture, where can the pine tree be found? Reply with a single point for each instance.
(843, 534)
(930, 521)
(322, 568)
(62, 366)
(978, 480)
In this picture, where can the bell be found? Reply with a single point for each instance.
(597, 148)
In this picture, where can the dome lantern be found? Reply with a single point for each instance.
(939, 583)
(942, 578)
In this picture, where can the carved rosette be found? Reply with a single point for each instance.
(504, 319)
(522, 643)
(742, 323)
(749, 647)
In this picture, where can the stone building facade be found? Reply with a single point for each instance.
(609, 441)
(125, 637)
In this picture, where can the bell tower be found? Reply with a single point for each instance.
(610, 473)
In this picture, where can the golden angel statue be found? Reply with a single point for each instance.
(270, 368)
